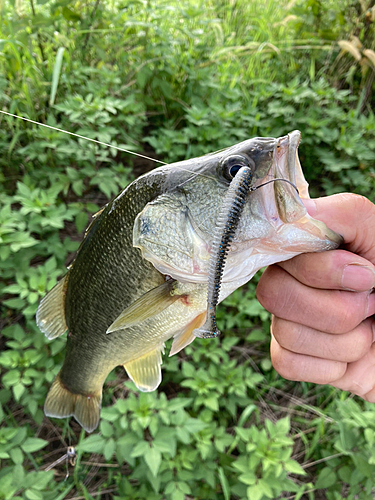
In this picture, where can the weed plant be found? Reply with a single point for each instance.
(173, 80)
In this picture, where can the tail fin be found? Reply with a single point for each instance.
(61, 403)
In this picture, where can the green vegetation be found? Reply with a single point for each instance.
(173, 80)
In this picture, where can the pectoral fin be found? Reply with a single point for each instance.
(186, 336)
(145, 371)
(50, 316)
(147, 306)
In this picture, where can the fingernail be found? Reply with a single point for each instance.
(358, 278)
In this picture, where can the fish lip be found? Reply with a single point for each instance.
(294, 141)
(284, 160)
(288, 146)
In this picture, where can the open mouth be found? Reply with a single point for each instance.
(287, 164)
(289, 188)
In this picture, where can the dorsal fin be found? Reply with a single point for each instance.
(94, 217)
(50, 316)
(145, 371)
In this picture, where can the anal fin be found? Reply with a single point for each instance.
(148, 305)
(186, 336)
(50, 316)
(61, 403)
(145, 371)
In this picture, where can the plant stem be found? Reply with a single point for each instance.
(91, 22)
(37, 34)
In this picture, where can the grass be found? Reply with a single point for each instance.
(173, 80)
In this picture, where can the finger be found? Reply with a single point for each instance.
(347, 347)
(330, 311)
(350, 215)
(304, 368)
(335, 270)
(359, 377)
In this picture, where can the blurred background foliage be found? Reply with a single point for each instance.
(173, 80)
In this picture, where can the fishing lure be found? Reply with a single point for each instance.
(227, 223)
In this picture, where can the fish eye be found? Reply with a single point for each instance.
(232, 164)
(234, 169)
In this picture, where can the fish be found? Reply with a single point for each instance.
(141, 274)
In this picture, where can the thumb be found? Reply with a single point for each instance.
(350, 215)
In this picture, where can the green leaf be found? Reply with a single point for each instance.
(11, 378)
(33, 494)
(18, 390)
(212, 403)
(224, 484)
(183, 435)
(12, 289)
(194, 425)
(81, 221)
(327, 477)
(33, 444)
(70, 15)
(153, 460)
(50, 265)
(93, 444)
(166, 446)
(140, 449)
(14, 303)
(16, 455)
(254, 492)
(246, 414)
(248, 478)
(106, 429)
(109, 449)
(262, 483)
(56, 74)
(344, 474)
(294, 467)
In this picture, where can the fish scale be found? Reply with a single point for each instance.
(97, 294)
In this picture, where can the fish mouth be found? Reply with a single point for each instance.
(287, 197)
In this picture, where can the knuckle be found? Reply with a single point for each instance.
(363, 204)
(356, 201)
(360, 346)
(334, 371)
(346, 312)
(369, 396)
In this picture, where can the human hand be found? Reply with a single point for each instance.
(322, 329)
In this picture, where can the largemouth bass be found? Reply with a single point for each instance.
(141, 274)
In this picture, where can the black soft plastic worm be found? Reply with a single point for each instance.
(227, 223)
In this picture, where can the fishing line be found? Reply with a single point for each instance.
(82, 137)
(102, 143)
(254, 188)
